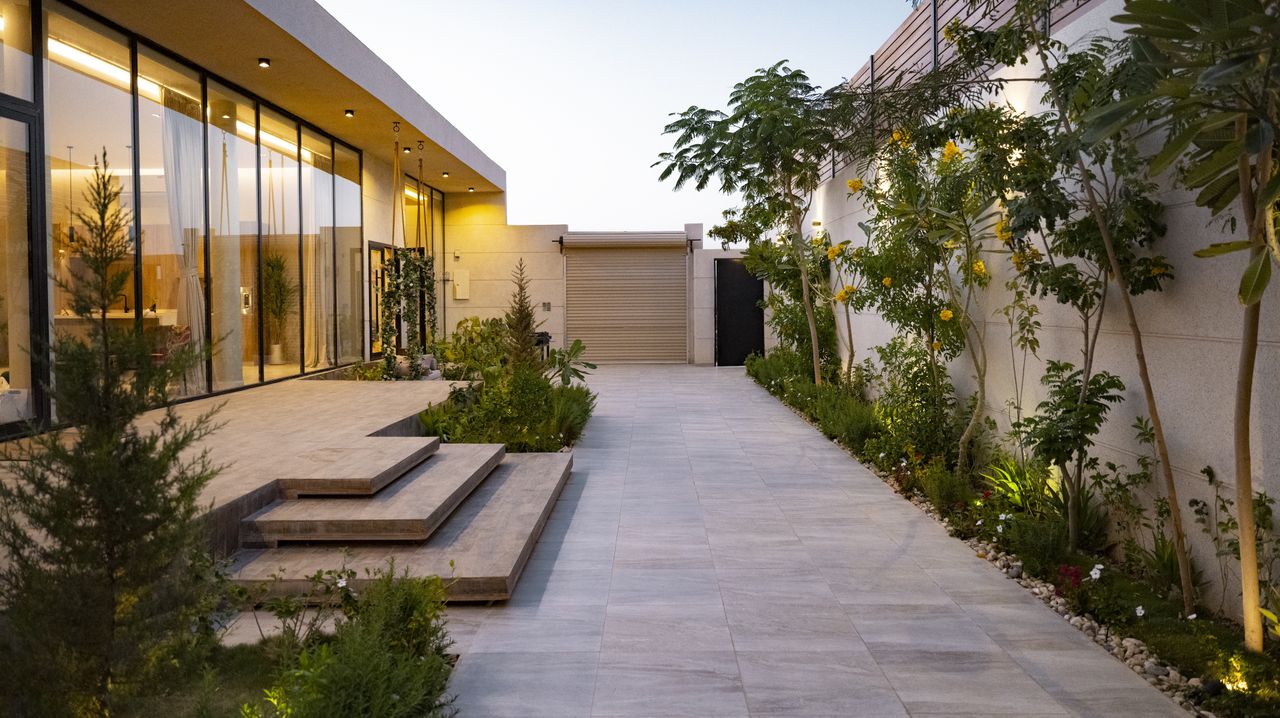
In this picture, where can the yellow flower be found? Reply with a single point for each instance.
(887, 281)
(836, 251)
(980, 268)
(949, 33)
(855, 185)
(945, 315)
(1158, 270)
(950, 244)
(900, 138)
(843, 295)
(951, 152)
(1002, 231)
(817, 241)
(937, 346)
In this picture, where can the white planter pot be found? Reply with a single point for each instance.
(276, 356)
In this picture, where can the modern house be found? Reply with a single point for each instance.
(269, 160)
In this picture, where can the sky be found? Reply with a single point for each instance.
(570, 96)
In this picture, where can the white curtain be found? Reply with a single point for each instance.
(317, 264)
(184, 188)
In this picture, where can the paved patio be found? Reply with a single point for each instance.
(713, 555)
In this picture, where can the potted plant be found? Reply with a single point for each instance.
(278, 296)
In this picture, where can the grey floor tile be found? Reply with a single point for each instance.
(823, 684)
(525, 685)
(669, 684)
(652, 628)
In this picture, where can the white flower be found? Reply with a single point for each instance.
(1004, 516)
(1096, 573)
(979, 523)
(342, 583)
(1192, 617)
(1140, 611)
(1000, 529)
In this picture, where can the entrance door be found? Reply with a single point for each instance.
(18, 402)
(739, 316)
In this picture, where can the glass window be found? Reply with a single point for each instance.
(350, 260)
(317, 251)
(171, 194)
(16, 77)
(233, 243)
(88, 119)
(15, 323)
(278, 223)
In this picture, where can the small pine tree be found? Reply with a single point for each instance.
(522, 326)
(100, 537)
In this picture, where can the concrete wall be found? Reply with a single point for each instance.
(1191, 333)
(479, 244)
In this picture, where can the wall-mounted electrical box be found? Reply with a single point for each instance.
(461, 284)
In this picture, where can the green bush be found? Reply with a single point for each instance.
(844, 417)
(516, 406)
(1040, 543)
(1023, 488)
(949, 491)
(915, 403)
(839, 412)
(571, 408)
(475, 345)
(387, 658)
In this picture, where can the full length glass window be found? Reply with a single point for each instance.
(233, 241)
(15, 324)
(16, 77)
(279, 227)
(350, 258)
(319, 346)
(88, 118)
(171, 193)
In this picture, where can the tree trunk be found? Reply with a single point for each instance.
(807, 300)
(1244, 477)
(1185, 578)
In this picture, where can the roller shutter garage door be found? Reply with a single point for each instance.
(627, 304)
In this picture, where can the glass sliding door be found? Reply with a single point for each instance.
(233, 241)
(16, 398)
(279, 226)
(88, 118)
(349, 250)
(171, 193)
(320, 342)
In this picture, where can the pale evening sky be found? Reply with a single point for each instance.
(570, 96)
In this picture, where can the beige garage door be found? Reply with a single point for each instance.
(627, 304)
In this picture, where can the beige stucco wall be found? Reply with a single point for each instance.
(1191, 333)
(480, 244)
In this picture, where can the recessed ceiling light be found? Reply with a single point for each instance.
(264, 62)
(471, 189)
(226, 116)
(350, 113)
(444, 174)
(406, 150)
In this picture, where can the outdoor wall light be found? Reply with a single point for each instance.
(264, 62)
(350, 113)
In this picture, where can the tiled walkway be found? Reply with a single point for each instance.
(713, 555)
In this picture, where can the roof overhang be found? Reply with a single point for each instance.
(318, 70)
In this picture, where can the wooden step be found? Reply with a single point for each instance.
(407, 510)
(488, 538)
(358, 466)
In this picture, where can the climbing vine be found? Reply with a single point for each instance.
(410, 283)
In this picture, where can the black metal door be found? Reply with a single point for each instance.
(739, 316)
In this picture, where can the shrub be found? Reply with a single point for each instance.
(844, 417)
(947, 490)
(1023, 488)
(516, 406)
(914, 401)
(1040, 543)
(475, 345)
(386, 659)
(571, 408)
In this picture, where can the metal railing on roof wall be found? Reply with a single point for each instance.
(917, 45)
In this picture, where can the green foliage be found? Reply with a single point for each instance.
(840, 413)
(567, 365)
(949, 491)
(914, 402)
(105, 557)
(778, 264)
(1092, 519)
(1040, 543)
(408, 289)
(475, 346)
(279, 295)
(1072, 413)
(519, 408)
(522, 326)
(1022, 488)
(388, 658)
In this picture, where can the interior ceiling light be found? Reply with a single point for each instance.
(407, 150)
(471, 189)
(350, 113)
(264, 62)
(444, 174)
